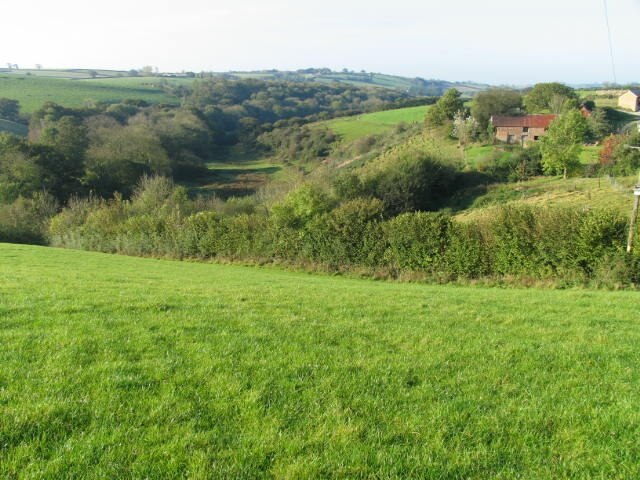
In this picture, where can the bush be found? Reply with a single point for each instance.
(349, 234)
(416, 181)
(26, 220)
(601, 235)
(417, 241)
(466, 255)
(514, 242)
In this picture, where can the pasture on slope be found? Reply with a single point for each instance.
(32, 91)
(118, 367)
(358, 126)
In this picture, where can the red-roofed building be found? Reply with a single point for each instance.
(522, 129)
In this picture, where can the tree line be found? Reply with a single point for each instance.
(106, 148)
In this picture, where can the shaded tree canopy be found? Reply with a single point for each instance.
(446, 108)
(496, 101)
(550, 97)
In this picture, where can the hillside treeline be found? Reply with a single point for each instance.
(390, 222)
(389, 218)
(103, 149)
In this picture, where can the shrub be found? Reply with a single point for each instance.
(417, 241)
(513, 241)
(416, 181)
(601, 234)
(466, 255)
(349, 234)
(26, 220)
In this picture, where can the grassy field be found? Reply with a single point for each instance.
(116, 367)
(614, 194)
(33, 91)
(140, 82)
(358, 126)
(235, 179)
(601, 97)
(13, 127)
(72, 73)
(239, 172)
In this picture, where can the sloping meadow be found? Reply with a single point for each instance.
(121, 367)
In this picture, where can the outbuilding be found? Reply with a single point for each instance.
(629, 100)
(521, 129)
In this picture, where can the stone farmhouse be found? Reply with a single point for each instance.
(521, 129)
(629, 100)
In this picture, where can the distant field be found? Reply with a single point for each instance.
(117, 367)
(352, 128)
(33, 91)
(13, 127)
(235, 178)
(239, 172)
(602, 97)
(368, 80)
(140, 82)
(62, 73)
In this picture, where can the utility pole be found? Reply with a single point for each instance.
(634, 216)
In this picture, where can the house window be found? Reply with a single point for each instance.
(525, 129)
(536, 137)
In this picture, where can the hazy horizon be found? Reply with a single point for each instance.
(460, 41)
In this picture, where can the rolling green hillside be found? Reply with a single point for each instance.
(412, 86)
(117, 367)
(579, 193)
(358, 126)
(33, 87)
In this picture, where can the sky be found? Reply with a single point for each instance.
(492, 41)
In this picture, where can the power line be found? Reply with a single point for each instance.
(613, 63)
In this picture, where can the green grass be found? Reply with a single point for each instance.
(34, 91)
(242, 172)
(70, 73)
(580, 193)
(152, 83)
(116, 367)
(590, 154)
(479, 154)
(358, 126)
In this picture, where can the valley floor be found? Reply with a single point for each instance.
(115, 367)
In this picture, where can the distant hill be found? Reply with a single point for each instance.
(412, 86)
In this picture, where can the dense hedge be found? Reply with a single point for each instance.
(514, 243)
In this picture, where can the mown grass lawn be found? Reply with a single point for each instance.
(116, 367)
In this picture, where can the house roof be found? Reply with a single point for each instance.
(635, 91)
(532, 121)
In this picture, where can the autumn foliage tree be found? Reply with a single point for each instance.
(609, 146)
